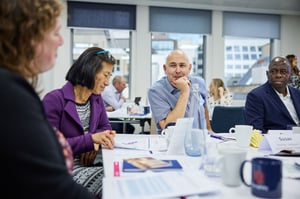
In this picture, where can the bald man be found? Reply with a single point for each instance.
(114, 99)
(170, 96)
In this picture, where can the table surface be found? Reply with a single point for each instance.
(122, 114)
(290, 187)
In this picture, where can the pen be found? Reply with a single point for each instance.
(217, 137)
(221, 137)
(132, 142)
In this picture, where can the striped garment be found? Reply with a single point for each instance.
(88, 176)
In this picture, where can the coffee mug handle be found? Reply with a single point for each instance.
(242, 172)
(232, 130)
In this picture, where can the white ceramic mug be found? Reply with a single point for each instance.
(242, 134)
(296, 129)
(168, 132)
(231, 161)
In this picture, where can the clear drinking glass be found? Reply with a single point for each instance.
(211, 160)
(194, 142)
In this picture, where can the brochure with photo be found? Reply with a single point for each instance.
(148, 163)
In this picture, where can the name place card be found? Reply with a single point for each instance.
(280, 140)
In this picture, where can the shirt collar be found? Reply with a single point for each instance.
(281, 95)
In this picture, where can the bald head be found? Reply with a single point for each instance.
(279, 74)
(177, 54)
(119, 83)
(280, 61)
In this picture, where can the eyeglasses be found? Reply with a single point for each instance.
(102, 52)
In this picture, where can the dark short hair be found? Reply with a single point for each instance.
(89, 63)
(280, 60)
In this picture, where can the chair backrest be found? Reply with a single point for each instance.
(225, 117)
(153, 129)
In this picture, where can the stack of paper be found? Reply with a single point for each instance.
(158, 185)
(142, 142)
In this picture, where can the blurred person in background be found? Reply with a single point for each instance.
(295, 75)
(218, 95)
(114, 99)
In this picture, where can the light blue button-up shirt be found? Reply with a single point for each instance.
(163, 97)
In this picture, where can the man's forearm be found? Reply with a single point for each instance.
(178, 111)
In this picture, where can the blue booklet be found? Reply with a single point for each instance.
(134, 165)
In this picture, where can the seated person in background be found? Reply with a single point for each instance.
(218, 95)
(113, 99)
(274, 105)
(170, 96)
(295, 75)
(77, 110)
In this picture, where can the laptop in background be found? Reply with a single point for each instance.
(137, 100)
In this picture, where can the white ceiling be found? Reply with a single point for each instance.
(289, 7)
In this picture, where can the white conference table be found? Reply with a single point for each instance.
(290, 187)
(124, 118)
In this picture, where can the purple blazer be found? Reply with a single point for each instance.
(61, 112)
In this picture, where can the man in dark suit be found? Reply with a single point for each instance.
(274, 105)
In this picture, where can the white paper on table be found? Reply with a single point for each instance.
(176, 145)
(141, 142)
(278, 140)
(158, 185)
(290, 170)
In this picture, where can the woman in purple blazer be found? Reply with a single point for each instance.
(274, 105)
(77, 110)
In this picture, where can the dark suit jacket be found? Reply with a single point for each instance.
(264, 109)
(30, 153)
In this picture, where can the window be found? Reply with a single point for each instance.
(255, 32)
(238, 66)
(166, 36)
(237, 56)
(116, 41)
(103, 25)
(246, 57)
(163, 43)
(229, 56)
(249, 72)
(252, 49)
(245, 49)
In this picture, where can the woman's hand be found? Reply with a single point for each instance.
(105, 138)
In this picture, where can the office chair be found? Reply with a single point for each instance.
(225, 117)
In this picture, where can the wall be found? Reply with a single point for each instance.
(290, 36)
(141, 54)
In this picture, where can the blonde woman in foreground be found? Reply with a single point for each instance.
(35, 157)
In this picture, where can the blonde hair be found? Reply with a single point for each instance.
(217, 82)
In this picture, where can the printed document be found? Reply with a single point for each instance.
(141, 142)
(158, 185)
